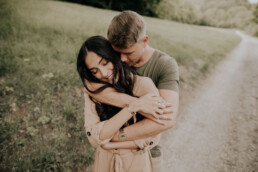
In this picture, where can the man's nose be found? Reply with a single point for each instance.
(123, 57)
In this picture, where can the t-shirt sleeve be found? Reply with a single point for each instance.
(168, 75)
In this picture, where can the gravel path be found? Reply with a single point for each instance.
(218, 130)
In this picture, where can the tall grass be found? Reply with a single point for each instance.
(41, 101)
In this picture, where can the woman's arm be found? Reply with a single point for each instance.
(145, 128)
(147, 140)
(101, 132)
(111, 97)
(143, 144)
(147, 104)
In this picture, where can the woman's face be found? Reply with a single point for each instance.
(99, 67)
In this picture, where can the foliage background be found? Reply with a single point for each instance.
(143, 7)
(219, 13)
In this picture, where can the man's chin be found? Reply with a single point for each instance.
(130, 64)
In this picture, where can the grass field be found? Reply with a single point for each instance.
(41, 102)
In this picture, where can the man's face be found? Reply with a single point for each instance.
(132, 55)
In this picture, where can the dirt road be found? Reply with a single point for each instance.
(218, 130)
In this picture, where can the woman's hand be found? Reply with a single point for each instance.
(152, 107)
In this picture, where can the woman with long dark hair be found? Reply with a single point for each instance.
(97, 62)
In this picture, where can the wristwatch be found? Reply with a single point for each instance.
(122, 134)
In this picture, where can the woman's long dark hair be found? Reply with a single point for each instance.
(102, 47)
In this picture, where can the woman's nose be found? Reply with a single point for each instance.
(103, 71)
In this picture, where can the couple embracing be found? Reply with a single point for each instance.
(131, 96)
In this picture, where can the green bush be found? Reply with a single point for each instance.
(255, 13)
(7, 62)
(220, 13)
(143, 7)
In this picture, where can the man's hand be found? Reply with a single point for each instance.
(107, 146)
(160, 118)
(173, 98)
(153, 107)
(147, 127)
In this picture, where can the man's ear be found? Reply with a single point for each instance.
(145, 40)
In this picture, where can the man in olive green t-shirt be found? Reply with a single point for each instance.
(127, 34)
(162, 69)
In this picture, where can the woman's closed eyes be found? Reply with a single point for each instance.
(102, 62)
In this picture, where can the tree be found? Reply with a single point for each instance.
(255, 13)
(143, 7)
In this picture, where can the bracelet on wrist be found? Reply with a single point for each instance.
(133, 113)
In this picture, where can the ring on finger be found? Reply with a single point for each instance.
(156, 116)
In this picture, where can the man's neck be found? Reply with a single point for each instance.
(148, 51)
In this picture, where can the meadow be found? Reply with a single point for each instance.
(41, 98)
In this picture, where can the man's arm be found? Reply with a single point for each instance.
(120, 145)
(109, 95)
(147, 127)
(112, 97)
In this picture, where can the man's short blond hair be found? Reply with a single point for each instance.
(126, 29)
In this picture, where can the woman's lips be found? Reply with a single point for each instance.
(110, 77)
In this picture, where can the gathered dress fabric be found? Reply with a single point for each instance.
(120, 160)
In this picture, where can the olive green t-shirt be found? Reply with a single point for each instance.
(162, 69)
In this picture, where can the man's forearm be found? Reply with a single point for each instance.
(144, 129)
(147, 127)
(120, 145)
(111, 97)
